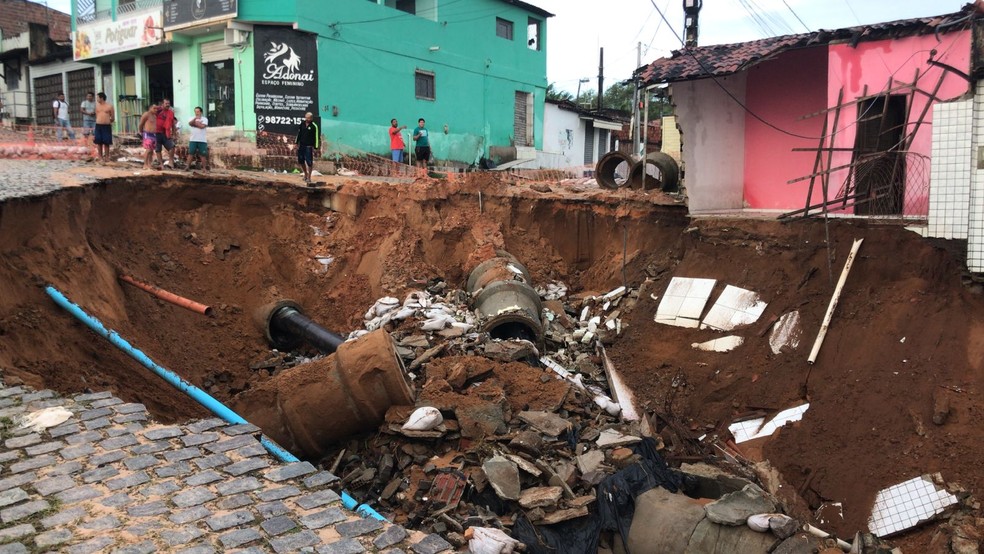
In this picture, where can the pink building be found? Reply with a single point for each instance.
(771, 124)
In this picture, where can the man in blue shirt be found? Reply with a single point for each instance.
(423, 151)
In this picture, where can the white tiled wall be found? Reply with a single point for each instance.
(975, 230)
(950, 175)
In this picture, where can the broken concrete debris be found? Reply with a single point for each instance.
(735, 508)
(752, 429)
(684, 301)
(786, 333)
(908, 504)
(503, 475)
(735, 307)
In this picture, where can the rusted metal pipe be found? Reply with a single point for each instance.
(169, 296)
(312, 406)
(506, 304)
(286, 327)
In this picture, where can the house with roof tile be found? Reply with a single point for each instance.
(836, 121)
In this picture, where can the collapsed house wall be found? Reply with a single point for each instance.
(712, 128)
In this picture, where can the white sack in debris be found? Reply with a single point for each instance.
(764, 522)
(423, 419)
(488, 540)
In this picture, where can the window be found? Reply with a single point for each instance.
(409, 6)
(533, 34)
(503, 28)
(424, 84)
(220, 93)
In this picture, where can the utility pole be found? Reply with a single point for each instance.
(636, 119)
(601, 76)
(691, 8)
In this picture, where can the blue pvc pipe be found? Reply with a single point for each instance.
(200, 396)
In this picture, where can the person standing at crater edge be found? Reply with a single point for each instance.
(423, 151)
(308, 141)
(103, 134)
(396, 141)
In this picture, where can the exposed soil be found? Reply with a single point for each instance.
(238, 246)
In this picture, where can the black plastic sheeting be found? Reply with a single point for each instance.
(615, 507)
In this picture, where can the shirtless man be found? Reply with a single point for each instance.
(148, 130)
(103, 135)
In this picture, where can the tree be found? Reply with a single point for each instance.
(558, 95)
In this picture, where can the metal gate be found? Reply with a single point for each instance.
(80, 83)
(45, 89)
(522, 120)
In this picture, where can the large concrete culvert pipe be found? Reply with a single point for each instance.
(612, 170)
(504, 299)
(656, 170)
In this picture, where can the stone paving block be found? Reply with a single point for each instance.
(96, 424)
(107, 458)
(16, 532)
(236, 486)
(160, 489)
(42, 404)
(39, 395)
(91, 545)
(117, 500)
(182, 517)
(245, 466)
(17, 480)
(145, 547)
(289, 471)
(11, 391)
(182, 535)
(100, 474)
(141, 462)
(104, 523)
(79, 451)
(21, 511)
(323, 518)
(278, 525)
(53, 537)
(95, 414)
(150, 448)
(121, 441)
(394, 534)
(11, 455)
(160, 433)
(234, 519)
(233, 502)
(182, 454)
(52, 485)
(64, 429)
(193, 497)
(197, 549)
(149, 509)
(320, 498)
(231, 444)
(204, 478)
(127, 481)
(82, 438)
(239, 537)
(394, 551)
(199, 439)
(356, 527)
(64, 469)
(203, 425)
(131, 418)
(89, 397)
(78, 494)
(44, 448)
(127, 429)
(344, 546)
(12, 496)
(111, 401)
(251, 550)
(250, 451)
(21, 442)
(36, 462)
(241, 429)
(272, 509)
(213, 460)
(63, 517)
(278, 493)
(294, 542)
(431, 544)
(145, 527)
(129, 408)
(319, 479)
(174, 470)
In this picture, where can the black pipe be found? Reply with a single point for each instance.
(285, 326)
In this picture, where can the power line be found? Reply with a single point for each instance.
(805, 26)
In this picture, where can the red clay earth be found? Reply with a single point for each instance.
(237, 246)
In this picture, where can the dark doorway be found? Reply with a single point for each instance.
(879, 171)
(160, 76)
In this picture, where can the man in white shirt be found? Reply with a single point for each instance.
(88, 109)
(59, 110)
(198, 145)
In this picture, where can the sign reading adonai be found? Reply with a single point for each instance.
(286, 78)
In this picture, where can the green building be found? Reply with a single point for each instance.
(474, 69)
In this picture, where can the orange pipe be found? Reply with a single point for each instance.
(169, 296)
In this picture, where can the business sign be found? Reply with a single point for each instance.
(285, 78)
(187, 13)
(129, 32)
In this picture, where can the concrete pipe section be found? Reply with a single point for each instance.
(656, 170)
(504, 300)
(308, 408)
(612, 170)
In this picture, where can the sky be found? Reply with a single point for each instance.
(580, 27)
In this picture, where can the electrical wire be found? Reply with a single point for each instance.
(790, 8)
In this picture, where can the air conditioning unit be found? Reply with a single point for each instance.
(236, 37)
